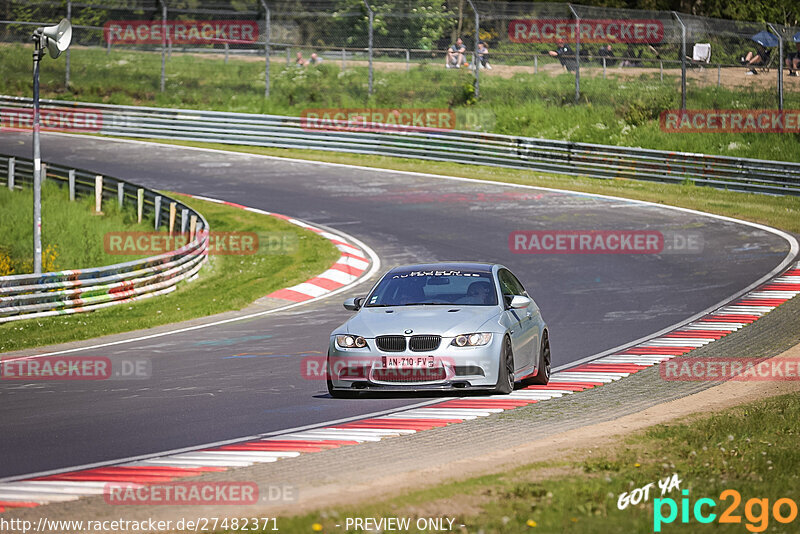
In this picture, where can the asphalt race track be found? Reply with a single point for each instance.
(244, 378)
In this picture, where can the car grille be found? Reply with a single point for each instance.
(424, 343)
(391, 343)
(409, 375)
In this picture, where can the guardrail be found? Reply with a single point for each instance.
(66, 292)
(562, 157)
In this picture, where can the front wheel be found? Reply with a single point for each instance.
(505, 375)
(543, 374)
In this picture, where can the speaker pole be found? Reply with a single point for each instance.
(38, 53)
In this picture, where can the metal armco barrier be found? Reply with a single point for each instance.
(66, 292)
(561, 157)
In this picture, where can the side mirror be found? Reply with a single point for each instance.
(354, 304)
(519, 301)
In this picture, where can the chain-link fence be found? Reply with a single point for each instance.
(445, 53)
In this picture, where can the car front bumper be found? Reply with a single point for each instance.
(446, 368)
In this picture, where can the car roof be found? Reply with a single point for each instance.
(447, 266)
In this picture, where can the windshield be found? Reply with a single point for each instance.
(420, 287)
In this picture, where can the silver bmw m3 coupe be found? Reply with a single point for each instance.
(440, 326)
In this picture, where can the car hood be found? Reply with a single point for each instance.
(446, 321)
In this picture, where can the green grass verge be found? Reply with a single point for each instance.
(616, 111)
(226, 282)
(72, 237)
(781, 212)
(752, 449)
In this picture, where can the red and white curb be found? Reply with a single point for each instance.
(350, 266)
(70, 486)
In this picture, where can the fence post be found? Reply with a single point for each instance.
(184, 219)
(227, 47)
(120, 193)
(577, 54)
(661, 70)
(66, 58)
(408, 59)
(371, 24)
(11, 163)
(163, 43)
(344, 55)
(476, 60)
(683, 59)
(98, 194)
(604, 67)
(172, 211)
(192, 227)
(536, 64)
(139, 205)
(108, 44)
(288, 55)
(267, 37)
(157, 210)
(719, 75)
(44, 173)
(780, 65)
(71, 179)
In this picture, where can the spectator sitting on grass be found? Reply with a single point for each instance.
(315, 59)
(483, 55)
(456, 55)
(751, 61)
(565, 55)
(793, 60)
(631, 58)
(299, 60)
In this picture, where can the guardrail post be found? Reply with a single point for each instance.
(683, 59)
(11, 164)
(120, 193)
(139, 204)
(184, 220)
(44, 172)
(71, 179)
(158, 211)
(371, 25)
(98, 194)
(172, 211)
(192, 227)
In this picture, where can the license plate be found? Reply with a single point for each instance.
(403, 362)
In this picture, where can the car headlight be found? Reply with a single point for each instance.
(348, 341)
(472, 340)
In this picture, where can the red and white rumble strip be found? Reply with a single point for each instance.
(350, 266)
(73, 485)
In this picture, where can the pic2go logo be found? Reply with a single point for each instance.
(756, 511)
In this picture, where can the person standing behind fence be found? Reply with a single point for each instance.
(565, 55)
(483, 55)
(793, 60)
(456, 55)
(607, 54)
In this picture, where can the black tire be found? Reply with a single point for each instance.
(505, 376)
(543, 375)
